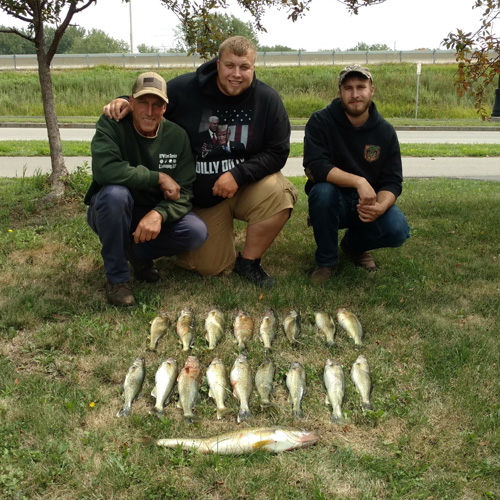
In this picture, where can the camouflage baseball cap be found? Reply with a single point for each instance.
(355, 68)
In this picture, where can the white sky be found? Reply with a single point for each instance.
(400, 24)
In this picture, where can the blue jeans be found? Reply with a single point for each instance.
(332, 208)
(112, 214)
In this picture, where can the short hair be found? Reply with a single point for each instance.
(223, 128)
(212, 119)
(239, 46)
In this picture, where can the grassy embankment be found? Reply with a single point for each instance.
(430, 316)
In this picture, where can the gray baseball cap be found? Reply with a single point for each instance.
(355, 68)
(150, 83)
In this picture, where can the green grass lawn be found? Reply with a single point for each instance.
(431, 320)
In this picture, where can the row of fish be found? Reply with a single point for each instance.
(244, 328)
(190, 377)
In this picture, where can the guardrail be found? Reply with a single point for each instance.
(169, 60)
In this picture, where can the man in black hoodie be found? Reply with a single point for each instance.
(245, 183)
(353, 165)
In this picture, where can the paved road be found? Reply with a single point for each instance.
(460, 168)
(486, 136)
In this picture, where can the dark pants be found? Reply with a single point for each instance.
(112, 214)
(331, 209)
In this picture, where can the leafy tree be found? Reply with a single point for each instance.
(142, 48)
(362, 46)
(69, 37)
(274, 48)
(97, 42)
(38, 14)
(9, 44)
(225, 24)
(478, 52)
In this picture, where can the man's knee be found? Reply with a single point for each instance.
(114, 198)
(323, 194)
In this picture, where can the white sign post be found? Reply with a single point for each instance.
(419, 70)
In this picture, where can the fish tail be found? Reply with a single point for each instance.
(146, 440)
(243, 414)
(298, 413)
(124, 412)
(221, 412)
(156, 412)
(367, 406)
(338, 419)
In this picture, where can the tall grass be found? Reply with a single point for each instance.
(304, 90)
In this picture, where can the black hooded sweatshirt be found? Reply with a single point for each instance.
(370, 151)
(259, 141)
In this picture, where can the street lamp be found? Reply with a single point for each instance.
(131, 36)
(495, 112)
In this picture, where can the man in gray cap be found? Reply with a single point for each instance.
(140, 197)
(353, 165)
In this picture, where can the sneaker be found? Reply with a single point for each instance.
(322, 274)
(360, 259)
(144, 269)
(252, 271)
(120, 294)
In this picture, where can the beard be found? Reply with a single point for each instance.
(351, 110)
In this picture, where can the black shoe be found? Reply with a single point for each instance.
(253, 272)
(119, 294)
(144, 269)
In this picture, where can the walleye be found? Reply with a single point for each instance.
(159, 326)
(243, 330)
(361, 377)
(264, 381)
(165, 378)
(132, 385)
(241, 381)
(214, 327)
(326, 325)
(188, 383)
(186, 328)
(268, 328)
(291, 325)
(350, 323)
(218, 386)
(270, 439)
(333, 376)
(296, 383)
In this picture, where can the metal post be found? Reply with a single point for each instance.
(495, 112)
(419, 70)
(131, 36)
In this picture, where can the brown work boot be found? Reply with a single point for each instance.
(360, 259)
(144, 269)
(120, 294)
(322, 274)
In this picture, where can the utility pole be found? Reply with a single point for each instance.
(131, 36)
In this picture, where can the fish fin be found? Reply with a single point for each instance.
(153, 392)
(327, 400)
(261, 444)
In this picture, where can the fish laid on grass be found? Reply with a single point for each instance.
(132, 385)
(350, 323)
(159, 327)
(244, 441)
(333, 377)
(326, 325)
(292, 326)
(188, 385)
(296, 383)
(264, 378)
(165, 379)
(361, 377)
(241, 381)
(243, 330)
(268, 328)
(214, 327)
(186, 328)
(218, 386)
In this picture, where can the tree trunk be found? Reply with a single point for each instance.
(59, 171)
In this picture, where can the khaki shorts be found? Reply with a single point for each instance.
(252, 203)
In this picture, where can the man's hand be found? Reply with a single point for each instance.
(149, 227)
(225, 186)
(367, 195)
(369, 213)
(116, 109)
(171, 190)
